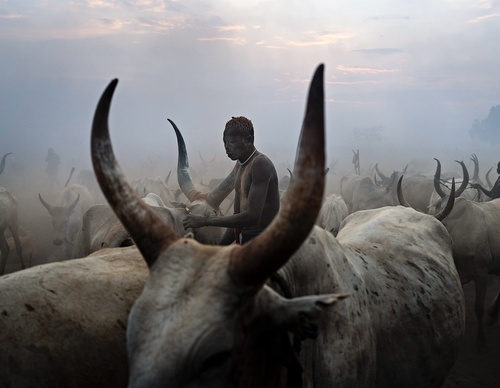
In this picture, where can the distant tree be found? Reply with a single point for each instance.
(488, 129)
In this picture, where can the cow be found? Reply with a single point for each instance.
(63, 324)
(441, 189)
(206, 316)
(473, 227)
(8, 221)
(157, 185)
(100, 228)
(67, 214)
(332, 213)
(418, 191)
(362, 193)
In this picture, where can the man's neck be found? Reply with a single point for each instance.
(245, 161)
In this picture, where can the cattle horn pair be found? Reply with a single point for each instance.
(443, 213)
(437, 180)
(251, 263)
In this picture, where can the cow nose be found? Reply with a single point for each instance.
(58, 242)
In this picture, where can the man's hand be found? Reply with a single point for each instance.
(194, 221)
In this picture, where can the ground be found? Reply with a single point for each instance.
(473, 369)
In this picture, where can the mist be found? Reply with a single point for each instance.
(402, 87)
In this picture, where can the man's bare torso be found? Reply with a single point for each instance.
(243, 183)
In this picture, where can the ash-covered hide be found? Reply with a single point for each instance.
(63, 324)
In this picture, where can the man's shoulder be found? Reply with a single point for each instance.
(263, 161)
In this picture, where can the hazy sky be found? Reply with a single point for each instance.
(410, 74)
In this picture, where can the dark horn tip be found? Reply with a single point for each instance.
(99, 126)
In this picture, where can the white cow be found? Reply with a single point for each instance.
(8, 220)
(332, 213)
(100, 228)
(67, 214)
(157, 185)
(205, 317)
(63, 324)
(361, 193)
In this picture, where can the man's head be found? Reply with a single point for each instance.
(238, 137)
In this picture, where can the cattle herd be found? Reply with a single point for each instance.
(361, 286)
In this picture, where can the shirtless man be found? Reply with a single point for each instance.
(255, 183)
(495, 191)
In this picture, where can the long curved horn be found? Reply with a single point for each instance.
(401, 199)
(488, 178)
(2, 163)
(475, 176)
(443, 213)
(254, 262)
(449, 205)
(183, 171)
(72, 206)
(45, 204)
(151, 235)
(465, 179)
(70, 175)
(437, 180)
(382, 176)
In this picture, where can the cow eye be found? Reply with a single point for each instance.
(215, 361)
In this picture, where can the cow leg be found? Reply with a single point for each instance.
(494, 309)
(15, 234)
(481, 287)
(4, 250)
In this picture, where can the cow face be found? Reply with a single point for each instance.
(206, 329)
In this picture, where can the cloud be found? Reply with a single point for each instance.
(365, 70)
(223, 39)
(100, 4)
(11, 15)
(231, 28)
(379, 51)
(315, 39)
(484, 18)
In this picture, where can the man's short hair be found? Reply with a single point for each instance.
(241, 125)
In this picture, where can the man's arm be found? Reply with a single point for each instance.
(250, 214)
(477, 186)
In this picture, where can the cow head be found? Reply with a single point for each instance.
(205, 317)
(443, 213)
(444, 193)
(60, 219)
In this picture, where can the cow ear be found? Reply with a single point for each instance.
(296, 315)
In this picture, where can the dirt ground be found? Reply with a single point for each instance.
(473, 369)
